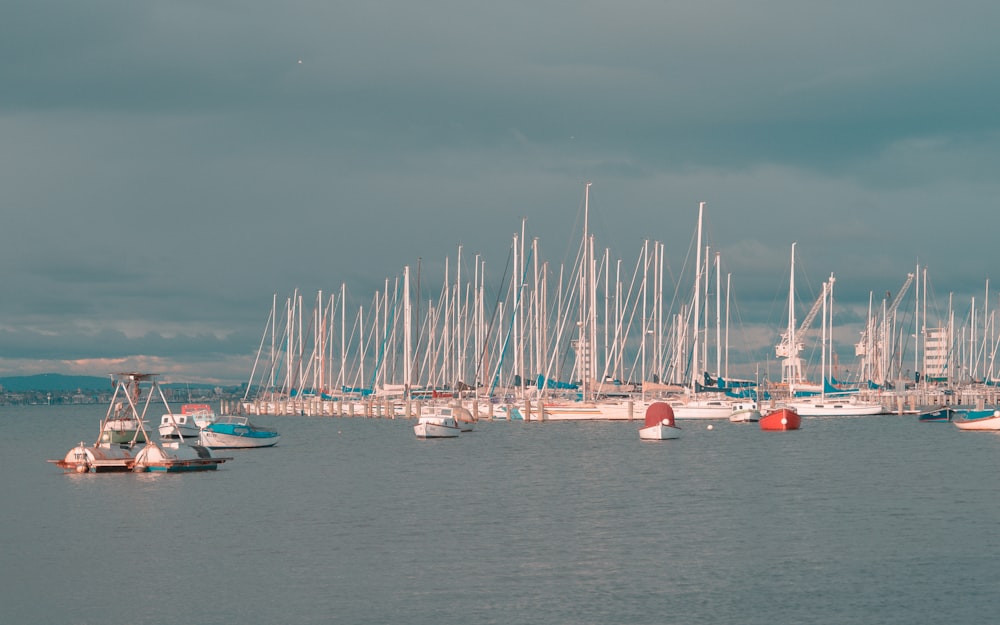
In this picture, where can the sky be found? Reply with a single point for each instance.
(167, 169)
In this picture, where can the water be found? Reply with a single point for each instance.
(848, 521)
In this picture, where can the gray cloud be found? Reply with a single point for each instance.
(169, 168)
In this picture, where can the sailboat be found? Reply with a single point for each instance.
(692, 405)
(819, 404)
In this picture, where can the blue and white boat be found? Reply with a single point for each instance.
(935, 414)
(988, 419)
(236, 432)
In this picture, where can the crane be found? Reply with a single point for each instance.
(784, 348)
(870, 346)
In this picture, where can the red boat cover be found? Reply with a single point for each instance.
(659, 411)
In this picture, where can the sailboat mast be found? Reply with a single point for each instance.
(582, 353)
(704, 334)
(823, 346)
(697, 294)
(793, 352)
(916, 326)
(407, 332)
(515, 294)
(718, 317)
(729, 280)
(923, 328)
(592, 314)
(658, 299)
(645, 289)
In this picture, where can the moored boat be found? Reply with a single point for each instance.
(830, 407)
(99, 458)
(175, 457)
(659, 423)
(236, 432)
(988, 419)
(464, 418)
(122, 430)
(187, 424)
(127, 410)
(702, 408)
(939, 414)
(572, 411)
(781, 419)
(436, 426)
(745, 412)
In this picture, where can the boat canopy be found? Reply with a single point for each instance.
(544, 382)
(659, 412)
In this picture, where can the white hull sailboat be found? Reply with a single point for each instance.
(702, 409)
(827, 407)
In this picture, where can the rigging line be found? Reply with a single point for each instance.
(513, 316)
(496, 309)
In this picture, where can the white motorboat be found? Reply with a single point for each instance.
(122, 428)
(464, 418)
(236, 432)
(745, 412)
(436, 426)
(187, 424)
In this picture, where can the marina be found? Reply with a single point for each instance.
(587, 343)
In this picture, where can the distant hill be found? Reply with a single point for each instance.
(57, 382)
(53, 382)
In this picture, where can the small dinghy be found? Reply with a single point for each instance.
(781, 419)
(659, 424)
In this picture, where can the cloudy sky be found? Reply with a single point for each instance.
(167, 168)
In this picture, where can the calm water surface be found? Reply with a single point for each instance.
(848, 521)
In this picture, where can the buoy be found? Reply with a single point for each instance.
(710, 426)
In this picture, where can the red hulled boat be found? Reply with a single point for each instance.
(781, 419)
